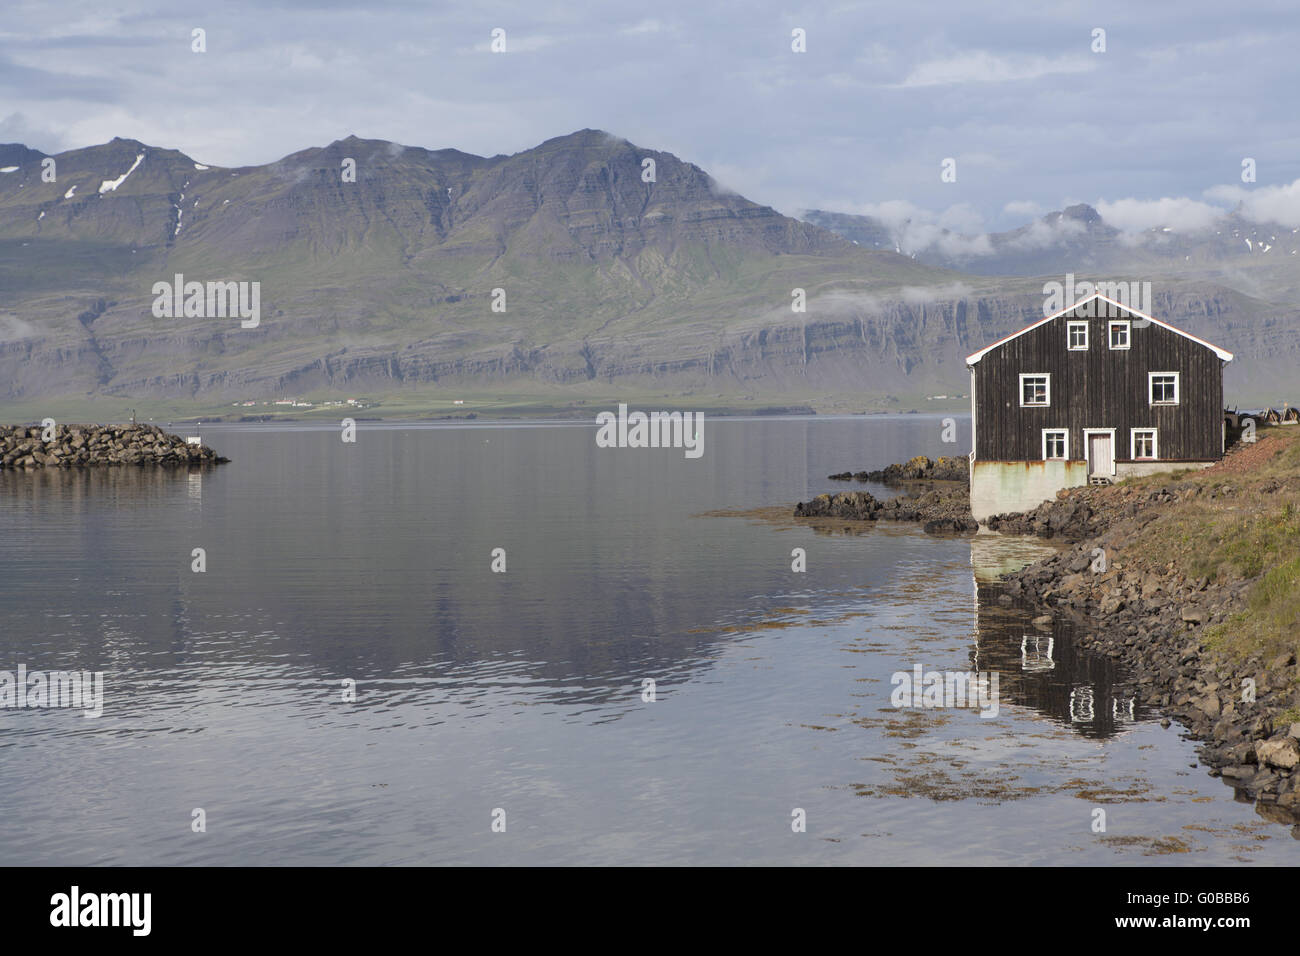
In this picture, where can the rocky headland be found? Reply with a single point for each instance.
(935, 493)
(940, 509)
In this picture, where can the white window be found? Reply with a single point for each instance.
(1077, 335)
(1035, 389)
(1163, 388)
(1118, 332)
(1143, 445)
(1056, 444)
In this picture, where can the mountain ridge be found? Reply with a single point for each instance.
(388, 283)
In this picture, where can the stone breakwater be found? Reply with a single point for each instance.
(81, 446)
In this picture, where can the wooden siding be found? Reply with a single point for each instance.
(1099, 388)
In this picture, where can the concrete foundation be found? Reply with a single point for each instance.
(1003, 487)
(1000, 487)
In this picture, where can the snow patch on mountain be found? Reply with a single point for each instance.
(108, 185)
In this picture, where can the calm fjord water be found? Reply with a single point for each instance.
(523, 691)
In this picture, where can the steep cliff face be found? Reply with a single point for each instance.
(897, 347)
(574, 262)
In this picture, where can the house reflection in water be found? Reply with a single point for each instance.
(1042, 667)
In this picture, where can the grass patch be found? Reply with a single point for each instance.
(1242, 526)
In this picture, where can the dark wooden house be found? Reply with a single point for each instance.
(1093, 393)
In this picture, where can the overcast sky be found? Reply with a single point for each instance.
(1152, 131)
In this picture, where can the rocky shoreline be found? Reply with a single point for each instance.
(1160, 619)
(943, 504)
(1139, 603)
(83, 446)
(941, 509)
(1154, 621)
(920, 468)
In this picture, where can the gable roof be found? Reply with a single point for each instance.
(1223, 354)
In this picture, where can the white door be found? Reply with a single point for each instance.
(1101, 459)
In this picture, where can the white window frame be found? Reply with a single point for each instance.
(1057, 431)
(1087, 446)
(1151, 384)
(1069, 336)
(1128, 334)
(1047, 389)
(1155, 443)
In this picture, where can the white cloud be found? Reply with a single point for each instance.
(980, 66)
(961, 217)
(1178, 213)
(645, 26)
(958, 246)
(1280, 204)
(894, 213)
(843, 302)
(1042, 235)
(956, 231)
(13, 328)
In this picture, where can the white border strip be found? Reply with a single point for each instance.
(1223, 354)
